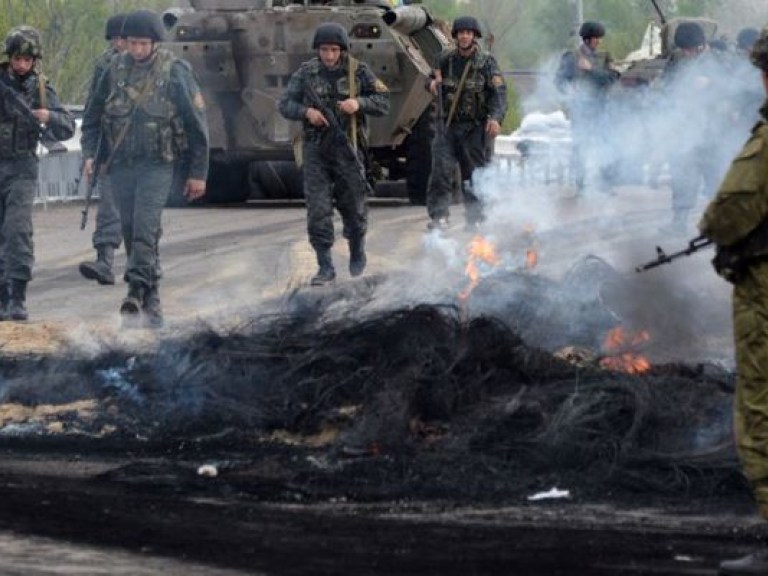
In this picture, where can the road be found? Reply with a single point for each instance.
(224, 265)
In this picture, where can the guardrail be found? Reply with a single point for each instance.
(58, 177)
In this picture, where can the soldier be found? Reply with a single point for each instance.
(29, 107)
(107, 235)
(149, 111)
(334, 89)
(737, 221)
(585, 75)
(473, 96)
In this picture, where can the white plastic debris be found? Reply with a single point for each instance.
(208, 470)
(553, 493)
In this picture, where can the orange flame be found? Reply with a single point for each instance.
(618, 344)
(532, 250)
(480, 251)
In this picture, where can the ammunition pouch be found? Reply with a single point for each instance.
(730, 264)
(17, 138)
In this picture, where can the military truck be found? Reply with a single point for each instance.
(244, 52)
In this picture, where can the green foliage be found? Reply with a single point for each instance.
(73, 36)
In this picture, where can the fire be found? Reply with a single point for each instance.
(619, 345)
(532, 248)
(481, 252)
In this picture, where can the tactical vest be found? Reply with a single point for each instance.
(139, 103)
(472, 105)
(18, 135)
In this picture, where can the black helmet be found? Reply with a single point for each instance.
(747, 38)
(591, 30)
(690, 35)
(24, 41)
(331, 33)
(759, 53)
(466, 23)
(144, 24)
(115, 26)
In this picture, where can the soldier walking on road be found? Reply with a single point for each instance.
(149, 110)
(334, 89)
(737, 221)
(473, 95)
(107, 235)
(29, 107)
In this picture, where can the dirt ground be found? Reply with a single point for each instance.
(92, 504)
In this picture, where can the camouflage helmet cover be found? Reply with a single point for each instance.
(24, 41)
(759, 54)
(331, 33)
(466, 23)
(690, 35)
(591, 30)
(115, 26)
(144, 24)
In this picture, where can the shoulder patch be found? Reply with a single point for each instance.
(379, 86)
(198, 101)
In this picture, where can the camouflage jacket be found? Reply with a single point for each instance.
(160, 107)
(332, 86)
(594, 81)
(484, 94)
(20, 135)
(100, 66)
(737, 215)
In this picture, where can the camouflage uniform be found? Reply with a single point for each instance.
(330, 175)
(483, 97)
(587, 111)
(19, 138)
(161, 110)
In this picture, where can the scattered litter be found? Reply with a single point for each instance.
(553, 493)
(208, 470)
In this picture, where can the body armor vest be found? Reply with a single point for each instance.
(139, 104)
(472, 99)
(18, 135)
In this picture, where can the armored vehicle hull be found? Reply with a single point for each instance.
(244, 52)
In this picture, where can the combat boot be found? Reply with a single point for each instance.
(755, 563)
(357, 258)
(153, 312)
(17, 309)
(101, 270)
(326, 273)
(130, 309)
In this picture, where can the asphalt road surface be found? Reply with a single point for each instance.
(223, 265)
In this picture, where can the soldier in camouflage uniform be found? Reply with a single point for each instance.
(585, 75)
(331, 174)
(737, 221)
(149, 110)
(29, 109)
(474, 103)
(107, 235)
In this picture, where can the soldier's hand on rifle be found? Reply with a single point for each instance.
(194, 189)
(492, 128)
(315, 117)
(349, 106)
(88, 169)
(434, 85)
(42, 115)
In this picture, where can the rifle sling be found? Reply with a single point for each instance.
(352, 94)
(457, 96)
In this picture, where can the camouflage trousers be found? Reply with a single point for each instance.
(332, 179)
(465, 144)
(750, 325)
(18, 184)
(141, 191)
(108, 231)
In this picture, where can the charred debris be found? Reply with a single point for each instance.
(422, 402)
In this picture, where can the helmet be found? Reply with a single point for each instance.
(747, 38)
(144, 24)
(331, 33)
(591, 30)
(690, 35)
(23, 40)
(466, 23)
(759, 54)
(115, 25)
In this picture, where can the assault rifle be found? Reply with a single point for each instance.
(97, 162)
(698, 243)
(16, 103)
(340, 136)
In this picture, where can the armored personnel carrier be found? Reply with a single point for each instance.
(244, 52)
